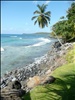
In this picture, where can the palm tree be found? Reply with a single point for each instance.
(43, 18)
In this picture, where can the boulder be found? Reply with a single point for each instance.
(16, 85)
(12, 94)
(56, 44)
(34, 81)
(49, 80)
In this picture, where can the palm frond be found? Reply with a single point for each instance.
(43, 18)
(37, 12)
(34, 17)
(40, 8)
(47, 18)
(46, 23)
(43, 8)
(47, 13)
(35, 22)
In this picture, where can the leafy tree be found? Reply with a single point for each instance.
(66, 28)
(62, 17)
(71, 13)
(71, 19)
(43, 18)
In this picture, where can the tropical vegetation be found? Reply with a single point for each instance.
(42, 17)
(65, 28)
(64, 86)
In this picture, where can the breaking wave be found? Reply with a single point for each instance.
(43, 41)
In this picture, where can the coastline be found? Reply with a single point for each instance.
(19, 53)
(43, 66)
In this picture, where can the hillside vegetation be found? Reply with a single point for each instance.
(65, 28)
(64, 86)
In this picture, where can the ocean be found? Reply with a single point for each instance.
(19, 50)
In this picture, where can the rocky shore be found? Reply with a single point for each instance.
(42, 67)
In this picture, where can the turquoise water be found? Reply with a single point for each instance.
(19, 50)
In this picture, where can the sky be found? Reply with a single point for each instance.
(16, 15)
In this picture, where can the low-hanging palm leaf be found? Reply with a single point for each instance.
(43, 18)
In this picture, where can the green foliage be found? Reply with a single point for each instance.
(71, 13)
(64, 86)
(70, 56)
(66, 28)
(59, 27)
(62, 89)
(43, 18)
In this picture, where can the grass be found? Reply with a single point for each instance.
(70, 56)
(64, 86)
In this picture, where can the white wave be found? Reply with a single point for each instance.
(43, 42)
(13, 36)
(20, 38)
(1, 49)
(38, 60)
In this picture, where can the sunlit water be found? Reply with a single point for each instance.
(19, 50)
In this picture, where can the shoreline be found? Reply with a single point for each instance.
(46, 64)
(25, 57)
(36, 61)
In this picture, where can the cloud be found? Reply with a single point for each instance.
(47, 2)
(35, 2)
(38, 2)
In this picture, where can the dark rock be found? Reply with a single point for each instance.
(49, 80)
(22, 92)
(16, 85)
(4, 82)
(2, 98)
(12, 94)
(56, 44)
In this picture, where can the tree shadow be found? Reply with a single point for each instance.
(66, 92)
(26, 96)
(70, 81)
(58, 90)
(61, 89)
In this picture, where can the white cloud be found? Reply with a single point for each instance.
(35, 2)
(38, 2)
(47, 2)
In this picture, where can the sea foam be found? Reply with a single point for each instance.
(43, 42)
(1, 49)
(20, 38)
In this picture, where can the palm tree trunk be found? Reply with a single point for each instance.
(58, 39)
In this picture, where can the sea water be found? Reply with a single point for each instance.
(19, 50)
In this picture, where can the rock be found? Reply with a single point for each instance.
(2, 98)
(56, 44)
(49, 80)
(4, 83)
(14, 79)
(21, 92)
(48, 71)
(12, 94)
(34, 81)
(16, 85)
